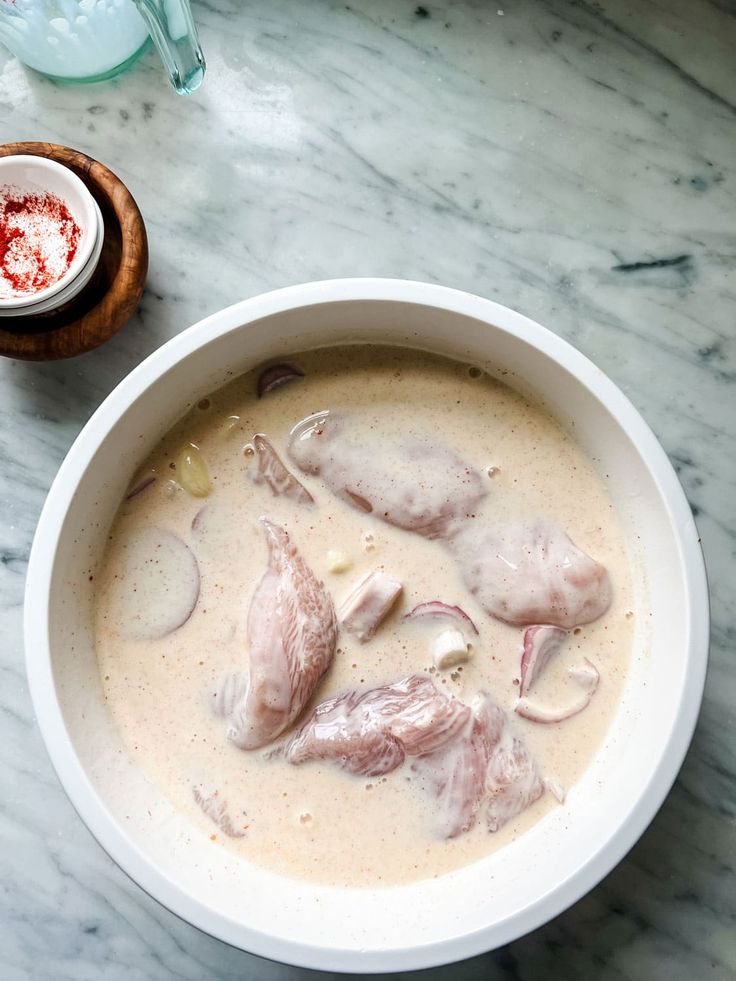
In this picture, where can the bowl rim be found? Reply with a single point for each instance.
(48, 712)
(88, 218)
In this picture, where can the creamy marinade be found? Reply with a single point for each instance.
(391, 412)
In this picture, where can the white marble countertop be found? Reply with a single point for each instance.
(574, 160)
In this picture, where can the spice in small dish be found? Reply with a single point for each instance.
(38, 241)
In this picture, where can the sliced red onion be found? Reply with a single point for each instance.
(541, 643)
(545, 714)
(555, 788)
(157, 586)
(198, 518)
(216, 810)
(276, 375)
(436, 608)
(271, 471)
(586, 675)
(140, 486)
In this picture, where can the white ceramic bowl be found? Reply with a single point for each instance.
(34, 175)
(478, 907)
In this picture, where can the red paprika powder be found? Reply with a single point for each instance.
(38, 241)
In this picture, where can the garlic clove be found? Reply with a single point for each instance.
(450, 648)
(192, 472)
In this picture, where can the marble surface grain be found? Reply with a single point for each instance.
(573, 160)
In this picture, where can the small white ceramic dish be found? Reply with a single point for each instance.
(33, 175)
(467, 911)
(72, 288)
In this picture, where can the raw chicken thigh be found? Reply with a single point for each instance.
(487, 765)
(523, 575)
(464, 756)
(420, 487)
(292, 632)
(533, 574)
(372, 732)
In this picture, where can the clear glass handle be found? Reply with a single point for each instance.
(174, 33)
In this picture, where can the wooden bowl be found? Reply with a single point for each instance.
(114, 291)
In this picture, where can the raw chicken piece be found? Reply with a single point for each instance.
(512, 780)
(486, 764)
(371, 732)
(272, 471)
(533, 574)
(456, 773)
(368, 604)
(292, 632)
(423, 488)
(465, 757)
